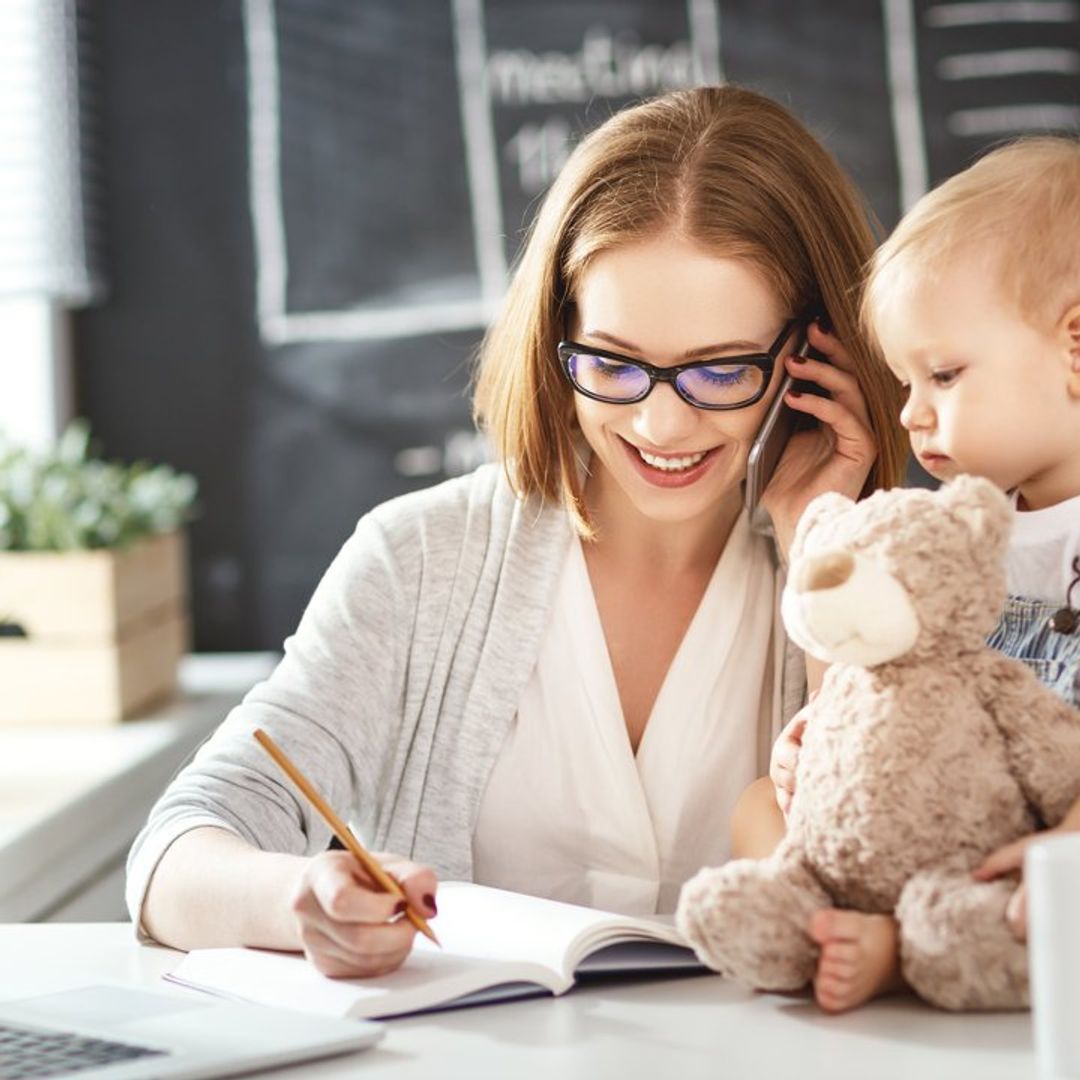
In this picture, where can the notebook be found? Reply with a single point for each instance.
(116, 1032)
(496, 945)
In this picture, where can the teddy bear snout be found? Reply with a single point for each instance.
(848, 608)
(827, 570)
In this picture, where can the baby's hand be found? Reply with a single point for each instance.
(1010, 860)
(785, 756)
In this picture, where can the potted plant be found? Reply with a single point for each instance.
(93, 583)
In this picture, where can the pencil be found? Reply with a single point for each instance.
(342, 831)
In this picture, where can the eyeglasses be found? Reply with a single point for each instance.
(731, 382)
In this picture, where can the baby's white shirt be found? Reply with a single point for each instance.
(1041, 551)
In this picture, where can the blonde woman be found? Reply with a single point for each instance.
(557, 674)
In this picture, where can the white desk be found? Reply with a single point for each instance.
(72, 799)
(677, 1029)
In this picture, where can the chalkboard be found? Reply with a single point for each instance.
(313, 205)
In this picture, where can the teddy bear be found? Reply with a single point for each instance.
(924, 751)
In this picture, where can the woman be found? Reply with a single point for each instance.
(557, 674)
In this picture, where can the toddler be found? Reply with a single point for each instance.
(974, 302)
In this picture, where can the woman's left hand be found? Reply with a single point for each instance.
(837, 454)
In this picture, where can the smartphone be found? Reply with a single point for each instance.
(776, 428)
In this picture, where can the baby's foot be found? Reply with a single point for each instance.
(859, 958)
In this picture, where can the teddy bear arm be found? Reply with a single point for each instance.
(1042, 736)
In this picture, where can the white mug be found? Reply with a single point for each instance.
(1052, 874)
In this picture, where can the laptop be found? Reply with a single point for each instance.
(109, 1031)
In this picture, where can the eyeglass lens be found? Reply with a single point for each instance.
(714, 384)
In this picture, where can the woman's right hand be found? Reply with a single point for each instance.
(348, 926)
(784, 759)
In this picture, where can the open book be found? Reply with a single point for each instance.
(495, 945)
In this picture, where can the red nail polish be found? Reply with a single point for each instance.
(429, 903)
(399, 907)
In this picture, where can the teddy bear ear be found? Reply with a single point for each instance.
(825, 506)
(981, 505)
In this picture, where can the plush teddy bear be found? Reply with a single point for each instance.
(924, 751)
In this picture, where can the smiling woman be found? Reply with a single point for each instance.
(557, 674)
(700, 304)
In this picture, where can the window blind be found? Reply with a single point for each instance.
(49, 197)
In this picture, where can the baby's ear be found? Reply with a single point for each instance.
(825, 506)
(981, 506)
(1070, 337)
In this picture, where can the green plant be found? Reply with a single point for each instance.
(67, 500)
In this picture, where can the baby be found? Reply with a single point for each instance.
(974, 302)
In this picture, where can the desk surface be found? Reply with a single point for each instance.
(700, 1026)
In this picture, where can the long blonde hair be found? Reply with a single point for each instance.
(725, 167)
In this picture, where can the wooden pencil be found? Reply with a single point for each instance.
(342, 831)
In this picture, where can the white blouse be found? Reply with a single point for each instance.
(570, 812)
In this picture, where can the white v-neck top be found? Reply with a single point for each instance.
(570, 812)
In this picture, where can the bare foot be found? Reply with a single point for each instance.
(859, 960)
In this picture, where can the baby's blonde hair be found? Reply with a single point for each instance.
(1020, 204)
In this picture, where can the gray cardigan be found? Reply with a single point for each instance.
(399, 686)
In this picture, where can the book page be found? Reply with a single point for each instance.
(489, 923)
(489, 937)
(428, 979)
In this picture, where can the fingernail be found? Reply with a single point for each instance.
(400, 906)
(795, 358)
(794, 393)
(429, 903)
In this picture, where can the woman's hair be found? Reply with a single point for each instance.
(729, 170)
(1019, 207)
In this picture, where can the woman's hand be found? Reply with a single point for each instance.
(784, 758)
(347, 924)
(837, 454)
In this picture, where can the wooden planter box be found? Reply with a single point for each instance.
(104, 631)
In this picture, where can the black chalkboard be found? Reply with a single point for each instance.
(312, 205)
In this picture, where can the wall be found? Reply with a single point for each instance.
(312, 206)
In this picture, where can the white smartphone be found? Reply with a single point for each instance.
(776, 428)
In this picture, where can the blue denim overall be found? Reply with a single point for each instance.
(1024, 633)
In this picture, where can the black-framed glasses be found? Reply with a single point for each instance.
(729, 382)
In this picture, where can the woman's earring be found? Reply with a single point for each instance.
(1065, 620)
